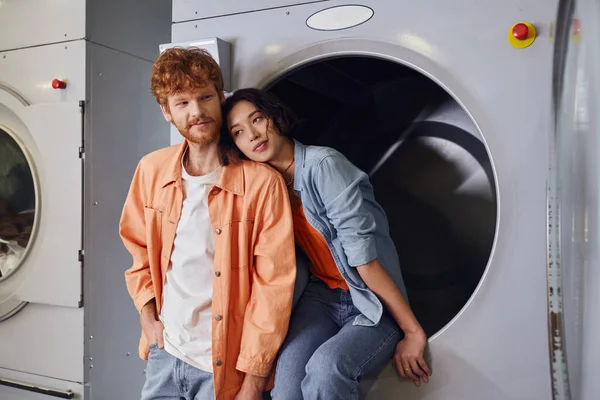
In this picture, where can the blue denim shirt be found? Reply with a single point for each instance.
(339, 202)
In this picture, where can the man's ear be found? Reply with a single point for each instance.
(222, 96)
(166, 113)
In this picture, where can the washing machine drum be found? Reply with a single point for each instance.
(426, 160)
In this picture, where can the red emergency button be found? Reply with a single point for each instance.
(58, 84)
(521, 35)
(520, 31)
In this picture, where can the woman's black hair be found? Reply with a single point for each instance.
(284, 119)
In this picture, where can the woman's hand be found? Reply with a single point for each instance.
(408, 357)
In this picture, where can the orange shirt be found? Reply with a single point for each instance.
(254, 262)
(322, 264)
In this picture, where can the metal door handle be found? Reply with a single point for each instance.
(61, 394)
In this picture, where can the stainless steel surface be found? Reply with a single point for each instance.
(188, 10)
(116, 139)
(131, 27)
(574, 204)
(496, 346)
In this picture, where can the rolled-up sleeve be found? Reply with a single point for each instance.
(133, 234)
(338, 183)
(273, 276)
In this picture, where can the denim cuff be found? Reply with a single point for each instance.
(361, 252)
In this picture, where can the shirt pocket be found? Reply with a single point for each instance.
(153, 221)
(240, 248)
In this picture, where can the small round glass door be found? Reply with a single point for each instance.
(17, 204)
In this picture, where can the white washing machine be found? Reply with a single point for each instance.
(75, 115)
(41, 130)
(447, 106)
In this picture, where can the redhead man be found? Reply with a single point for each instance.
(212, 243)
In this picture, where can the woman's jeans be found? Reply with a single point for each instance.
(324, 354)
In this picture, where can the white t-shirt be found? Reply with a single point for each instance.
(187, 295)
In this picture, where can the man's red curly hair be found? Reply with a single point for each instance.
(178, 69)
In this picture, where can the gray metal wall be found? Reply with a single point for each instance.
(123, 124)
(133, 27)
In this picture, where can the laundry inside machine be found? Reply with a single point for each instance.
(17, 204)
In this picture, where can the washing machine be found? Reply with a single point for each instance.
(447, 106)
(41, 136)
(75, 116)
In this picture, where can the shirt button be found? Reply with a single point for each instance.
(215, 192)
(218, 274)
(218, 231)
(218, 317)
(219, 363)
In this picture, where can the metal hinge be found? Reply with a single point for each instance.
(80, 258)
(82, 147)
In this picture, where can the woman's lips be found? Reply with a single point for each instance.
(260, 146)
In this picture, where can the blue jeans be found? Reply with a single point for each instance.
(324, 354)
(169, 378)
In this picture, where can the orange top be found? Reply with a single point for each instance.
(315, 246)
(254, 262)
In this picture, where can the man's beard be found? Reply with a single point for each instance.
(205, 137)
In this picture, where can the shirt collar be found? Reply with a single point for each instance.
(300, 159)
(232, 177)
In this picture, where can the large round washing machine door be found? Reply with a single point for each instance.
(19, 200)
(40, 203)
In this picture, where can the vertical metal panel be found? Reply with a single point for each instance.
(133, 27)
(124, 124)
(574, 204)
